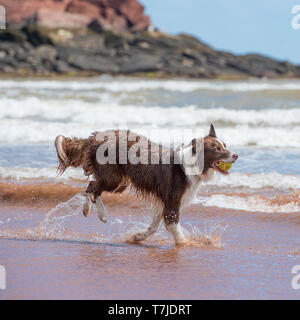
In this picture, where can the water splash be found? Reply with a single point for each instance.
(211, 236)
(66, 223)
(53, 225)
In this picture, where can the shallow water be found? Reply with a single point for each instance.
(242, 229)
(229, 254)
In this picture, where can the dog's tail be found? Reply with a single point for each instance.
(70, 152)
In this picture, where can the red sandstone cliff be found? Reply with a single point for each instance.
(115, 15)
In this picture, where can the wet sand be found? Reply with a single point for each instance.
(51, 251)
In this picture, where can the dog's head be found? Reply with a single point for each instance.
(203, 154)
(216, 151)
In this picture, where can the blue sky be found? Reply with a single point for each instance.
(239, 26)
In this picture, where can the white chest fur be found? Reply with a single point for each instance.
(194, 186)
(191, 191)
(192, 171)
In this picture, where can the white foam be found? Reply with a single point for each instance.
(252, 203)
(256, 181)
(16, 173)
(77, 108)
(132, 85)
(235, 179)
(31, 132)
(45, 119)
(93, 113)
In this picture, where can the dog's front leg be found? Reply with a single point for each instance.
(177, 233)
(171, 219)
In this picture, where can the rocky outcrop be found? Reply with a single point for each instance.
(115, 15)
(37, 51)
(87, 37)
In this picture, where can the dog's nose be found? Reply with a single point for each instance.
(235, 156)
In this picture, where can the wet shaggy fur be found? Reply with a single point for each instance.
(168, 184)
(165, 182)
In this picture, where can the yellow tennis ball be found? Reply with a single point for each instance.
(225, 165)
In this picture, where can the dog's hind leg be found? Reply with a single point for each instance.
(157, 218)
(101, 210)
(87, 207)
(93, 195)
(89, 198)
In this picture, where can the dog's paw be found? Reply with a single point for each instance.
(102, 218)
(86, 209)
(136, 238)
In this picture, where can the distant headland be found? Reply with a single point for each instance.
(92, 37)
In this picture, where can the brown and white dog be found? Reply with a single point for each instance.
(169, 186)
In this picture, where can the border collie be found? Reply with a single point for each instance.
(169, 186)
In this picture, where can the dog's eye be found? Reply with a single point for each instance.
(218, 148)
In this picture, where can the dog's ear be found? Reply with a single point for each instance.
(212, 132)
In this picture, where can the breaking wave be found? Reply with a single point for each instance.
(242, 135)
(131, 85)
(49, 194)
(234, 180)
(254, 203)
(256, 181)
(45, 119)
(41, 174)
(77, 108)
(106, 113)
